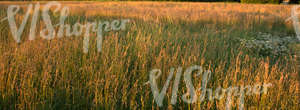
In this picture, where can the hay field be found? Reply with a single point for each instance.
(57, 74)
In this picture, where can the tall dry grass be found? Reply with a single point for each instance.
(56, 74)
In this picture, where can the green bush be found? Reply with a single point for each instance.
(262, 1)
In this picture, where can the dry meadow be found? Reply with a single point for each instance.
(57, 74)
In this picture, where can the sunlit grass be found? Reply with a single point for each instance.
(56, 74)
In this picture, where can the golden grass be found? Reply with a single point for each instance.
(56, 74)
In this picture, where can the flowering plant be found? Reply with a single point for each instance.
(266, 44)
